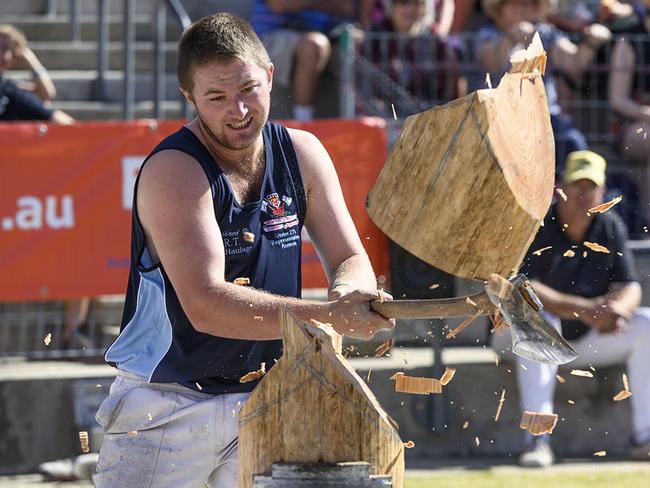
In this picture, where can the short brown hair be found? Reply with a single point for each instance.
(19, 41)
(218, 37)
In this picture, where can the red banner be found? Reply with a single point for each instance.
(65, 201)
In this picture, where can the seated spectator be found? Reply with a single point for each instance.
(629, 91)
(295, 33)
(594, 296)
(15, 103)
(513, 24)
(374, 12)
(424, 69)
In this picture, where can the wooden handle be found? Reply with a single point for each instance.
(435, 308)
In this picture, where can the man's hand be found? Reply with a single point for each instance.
(352, 316)
(606, 315)
(596, 35)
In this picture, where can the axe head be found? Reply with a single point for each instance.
(533, 337)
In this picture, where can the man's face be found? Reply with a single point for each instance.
(232, 100)
(582, 195)
(515, 11)
(6, 52)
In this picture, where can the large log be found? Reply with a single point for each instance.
(311, 407)
(467, 184)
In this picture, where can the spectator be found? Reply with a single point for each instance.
(425, 67)
(575, 15)
(15, 103)
(629, 91)
(595, 296)
(441, 13)
(513, 25)
(296, 33)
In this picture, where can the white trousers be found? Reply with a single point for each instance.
(165, 435)
(631, 346)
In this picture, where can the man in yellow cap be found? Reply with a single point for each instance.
(594, 296)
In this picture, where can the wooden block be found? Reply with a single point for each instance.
(416, 385)
(467, 184)
(312, 407)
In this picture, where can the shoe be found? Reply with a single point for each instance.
(61, 470)
(640, 452)
(538, 454)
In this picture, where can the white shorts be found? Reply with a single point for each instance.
(166, 435)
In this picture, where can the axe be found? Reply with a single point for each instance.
(533, 337)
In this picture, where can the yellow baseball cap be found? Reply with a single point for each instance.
(585, 165)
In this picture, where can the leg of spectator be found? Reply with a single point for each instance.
(636, 147)
(312, 53)
(76, 312)
(632, 346)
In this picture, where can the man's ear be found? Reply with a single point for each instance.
(188, 96)
(270, 75)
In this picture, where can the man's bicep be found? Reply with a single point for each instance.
(175, 207)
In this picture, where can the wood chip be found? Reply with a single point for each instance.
(569, 254)
(639, 130)
(416, 385)
(604, 207)
(384, 347)
(259, 318)
(584, 254)
(560, 378)
(433, 286)
(452, 334)
(488, 81)
(198, 386)
(253, 375)
(560, 192)
(394, 113)
(47, 339)
(575, 314)
(626, 384)
(538, 423)
(477, 441)
(248, 236)
(132, 434)
(600, 453)
(500, 406)
(242, 281)
(83, 440)
(571, 402)
(409, 445)
(540, 251)
(583, 373)
(465, 424)
(594, 246)
(622, 395)
(447, 376)
(471, 302)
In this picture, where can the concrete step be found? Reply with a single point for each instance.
(42, 28)
(86, 110)
(82, 85)
(83, 55)
(12, 7)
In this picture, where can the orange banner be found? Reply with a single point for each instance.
(65, 201)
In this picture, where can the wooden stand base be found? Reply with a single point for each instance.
(321, 475)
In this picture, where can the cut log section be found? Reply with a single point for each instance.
(538, 423)
(311, 407)
(468, 184)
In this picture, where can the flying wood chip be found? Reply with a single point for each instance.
(452, 334)
(248, 236)
(416, 385)
(538, 423)
(569, 254)
(47, 339)
(626, 384)
(253, 375)
(447, 375)
(469, 301)
(384, 347)
(540, 251)
(604, 207)
(500, 406)
(560, 378)
(83, 440)
(622, 395)
(581, 372)
(560, 192)
(242, 281)
(594, 246)
(600, 453)
(409, 444)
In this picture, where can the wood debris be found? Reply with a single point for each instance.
(384, 347)
(488, 81)
(583, 373)
(538, 423)
(471, 302)
(600, 453)
(47, 339)
(259, 318)
(416, 385)
(571, 402)
(198, 386)
(560, 378)
(569, 254)
(584, 254)
(594, 246)
(622, 395)
(248, 236)
(626, 384)
(447, 376)
(83, 440)
(132, 434)
(394, 113)
(465, 424)
(498, 324)
(575, 314)
(604, 207)
(452, 334)
(433, 286)
(500, 406)
(540, 251)
(409, 445)
(242, 281)
(477, 441)
(639, 130)
(560, 192)
(253, 375)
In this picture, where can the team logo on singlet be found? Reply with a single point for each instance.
(278, 208)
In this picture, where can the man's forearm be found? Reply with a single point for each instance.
(353, 273)
(563, 305)
(627, 296)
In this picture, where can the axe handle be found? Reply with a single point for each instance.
(434, 308)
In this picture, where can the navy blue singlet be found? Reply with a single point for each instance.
(157, 341)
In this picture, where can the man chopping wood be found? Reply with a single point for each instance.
(215, 253)
(585, 276)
